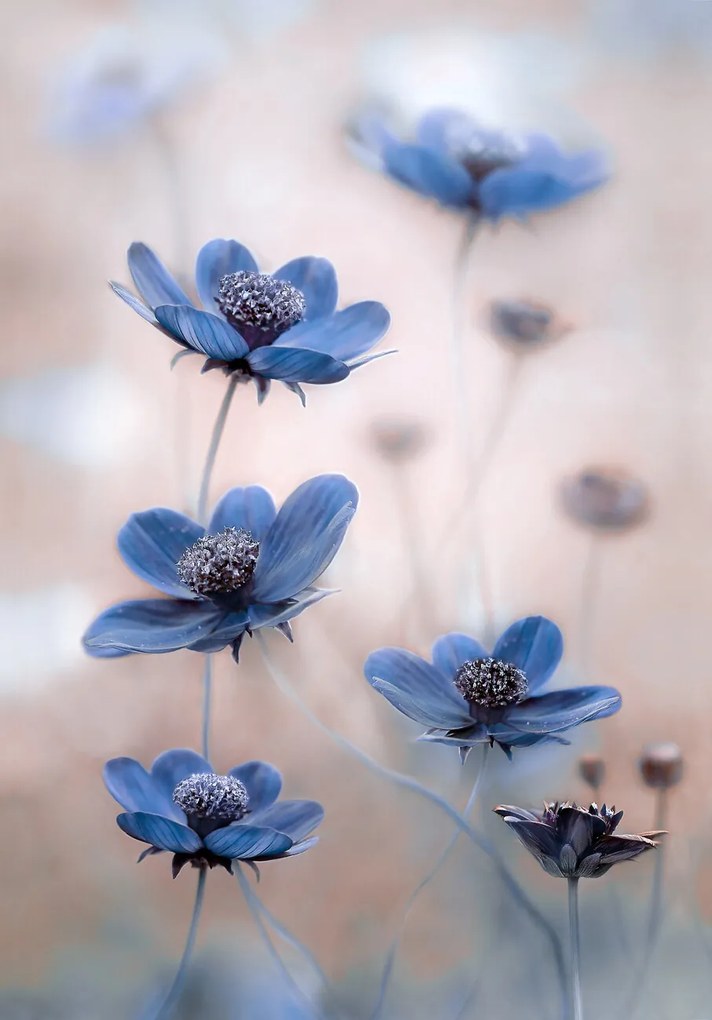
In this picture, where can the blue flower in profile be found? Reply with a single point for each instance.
(465, 166)
(470, 696)
(183, 807)
(251, 568)
(262, 326)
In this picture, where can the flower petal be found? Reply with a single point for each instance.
(297, 818)
(164, 833)
(296, 365)
(523, 188)
(153, 281)
(152, 542)
(230, 626)
(216, 259)
(133, 302)
(173, 766)
(132, 786)
(579, 828)
(418, 680)
(451, 650)
(247, 841)
(262, 781)
(539, 839)
(316, 279)
(467, 737)
(202, 331)
(299, 848)
(534, 645)
(150, 625)
(446, 129)
(344, 336)
(251, 507)
(561, 710)
(424, 709)
(623, 848)
(304, 537)
(271, 615)
(433, 174)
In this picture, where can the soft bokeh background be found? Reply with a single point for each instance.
(93, 425)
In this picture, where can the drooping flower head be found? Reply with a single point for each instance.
(523, 325)
(605, 499)
(262, 326)
(469, 696)
(661, 765)
(184, 807)
(462, 165)
(250, 568)
(575, 842)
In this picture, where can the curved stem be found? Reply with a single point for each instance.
(173, 993)
(287, 936)
(207, 700)
(424, 882)
(213, 447)
(406, 782)
(459, 324)
(575, 963)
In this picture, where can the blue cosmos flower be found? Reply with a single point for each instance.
(465, 166)
(262, 326)
(183, 807)
(251, 568)
(470, 696)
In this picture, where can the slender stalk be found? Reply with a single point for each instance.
(213, 447)
(459, 325)
(412, 541)
(207, 701)
(424, 882)
(575, 962)
(589, 591)
(173, 994)
(406, 782)
(173, 188)
(291, 939)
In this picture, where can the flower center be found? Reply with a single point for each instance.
(480, 158)
(204, 795)
(258, 303)
(490, 683)
(219, 563)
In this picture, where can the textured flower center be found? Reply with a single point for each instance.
(490, 683)
(260, 302)
(480, 159)
(219, 563)
(217, 798)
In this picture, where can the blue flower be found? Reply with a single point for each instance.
(464, 166)
(470, 696)
(251, 568)
(263, 326)
(182, 806)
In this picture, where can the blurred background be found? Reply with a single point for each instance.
(228, 120)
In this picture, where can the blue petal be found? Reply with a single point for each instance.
(466, 737)
(247, 841)
(446, 129)
(132, 786)
(345, 335)
(431, 173)
(164, 833)
(425, 685)
(300, 848)
(304, 537)
(170, 768)
(271, 615)
(428, 710)
(533, 645)
(316, 279)
(150, 625)
(229, 627)
(519, 190)
(262, 781)
(152, 542)
(561, 710)
(296, 365)
(451, 650)
(217, 259)
(251, 508)
(297, 818)
(133, 302)
(202, 331)
(153, 281)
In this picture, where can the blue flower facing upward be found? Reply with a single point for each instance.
(281, 326)
(465, 166)
(183, 807)
(250, 568)
(470, 696)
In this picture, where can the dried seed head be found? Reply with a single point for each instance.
(218, 798)
(523, 323)
(260, 302)
(219, 564)
(605, 499)
(592, 769)
(661, 765)
(398, 439)
(490, 683)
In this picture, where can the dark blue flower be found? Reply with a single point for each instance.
(469, 696)
(263, 326)
(251, 568)
(182, 806)
(464, 166)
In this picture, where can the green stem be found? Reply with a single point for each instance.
(213, 447)
(173, 993)
(575, 963)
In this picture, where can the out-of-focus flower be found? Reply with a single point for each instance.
(592, 770)
(182, 806)
(462, 165)
(469, 696)
(261, 326)
(524, 324)
(251, 568)
(398, 439)
(605, 499)
(661, 765)
(575, 842)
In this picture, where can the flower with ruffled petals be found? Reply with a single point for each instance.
(183, 807)
(462, 165)
(469, 696)
(250, 568)
(282, 326)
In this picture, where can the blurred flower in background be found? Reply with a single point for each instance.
(523, 324)
(605, 499)
(661, 765)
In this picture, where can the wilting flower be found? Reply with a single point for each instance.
(465, 166)
(470, 696)
(592, 769)
(605, 499)
(575, 842)
(182, 806)
(261, 326)
(251, 568)
(661, 765)
(524, 324)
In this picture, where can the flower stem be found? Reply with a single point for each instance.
(407, 782)
(173, 993)
(459, 325)
(575, 962)
(207, 701)
(213, 448)
(589, 590)
(440, 860)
